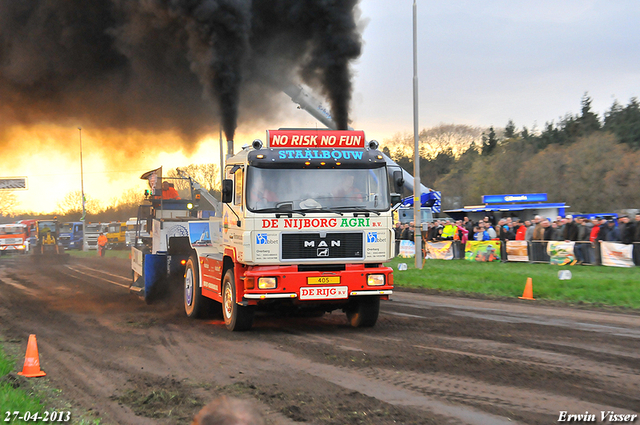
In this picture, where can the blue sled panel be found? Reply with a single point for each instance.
(155, 272)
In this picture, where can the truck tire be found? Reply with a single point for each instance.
(195, 304)
(236, 316)
(363, 313)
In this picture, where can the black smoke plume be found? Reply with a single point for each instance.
(155, 65)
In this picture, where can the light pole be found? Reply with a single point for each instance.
(84, 211)
(416, 148)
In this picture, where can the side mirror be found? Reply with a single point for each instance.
(395, 199)
(398, 181)
(227, 190)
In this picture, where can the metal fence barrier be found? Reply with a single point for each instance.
(538, 252)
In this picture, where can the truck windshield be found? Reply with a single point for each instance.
(12, 230)
(317, 189)
(66, 228)
(94, 227)
(47, 226)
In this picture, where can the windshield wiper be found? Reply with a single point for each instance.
(323, 209)
(279, 211)
(357, 209)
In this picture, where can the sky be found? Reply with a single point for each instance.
(479, 64)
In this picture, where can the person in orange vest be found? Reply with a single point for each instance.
(102, 244)
(169, 192)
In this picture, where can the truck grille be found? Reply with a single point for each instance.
(10, 241)
(310, 246)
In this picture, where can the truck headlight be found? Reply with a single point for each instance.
(375, 280)
(267, 283)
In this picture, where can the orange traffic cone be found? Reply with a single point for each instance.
(31, 367)
(528, 290)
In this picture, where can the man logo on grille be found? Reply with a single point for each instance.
(323, 252)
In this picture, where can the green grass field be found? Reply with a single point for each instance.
(15, 399)
(597, 285)
(111, 253)
(33, 395)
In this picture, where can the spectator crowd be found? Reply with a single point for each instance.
(587, 231)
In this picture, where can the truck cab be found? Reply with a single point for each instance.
(93, 232)
(116, 234)
(135, 230)
(13, 238)
(305, 225)
(47, 238)
(71, 236)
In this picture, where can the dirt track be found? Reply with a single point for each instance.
(429, 360)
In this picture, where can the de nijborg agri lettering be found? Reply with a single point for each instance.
(318, 154)
(303, 223)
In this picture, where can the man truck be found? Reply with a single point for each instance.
(71, 235)
(305, 223)
(93, 232)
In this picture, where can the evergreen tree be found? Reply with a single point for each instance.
(624, 122)
(588, 121)
(510, 130)
(554, 134)
(489, 143)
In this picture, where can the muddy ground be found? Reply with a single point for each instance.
(430, 359)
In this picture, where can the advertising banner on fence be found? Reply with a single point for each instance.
(482, 251)
(517, 251)
(407, 249)
(560, 253)
(616, 254)
(439, 250)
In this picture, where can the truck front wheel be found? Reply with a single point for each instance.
(363, 313)
(236, 316)
(195, 304)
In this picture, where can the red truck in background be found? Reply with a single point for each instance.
(13, 238)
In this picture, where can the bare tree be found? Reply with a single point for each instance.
(129, 198)
(453, 137)
(588, 163)
(72, 204)
(622, 181)
(444, 138)
(208, 175)
(8, 203)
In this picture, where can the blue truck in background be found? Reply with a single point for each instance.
(71, 235)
